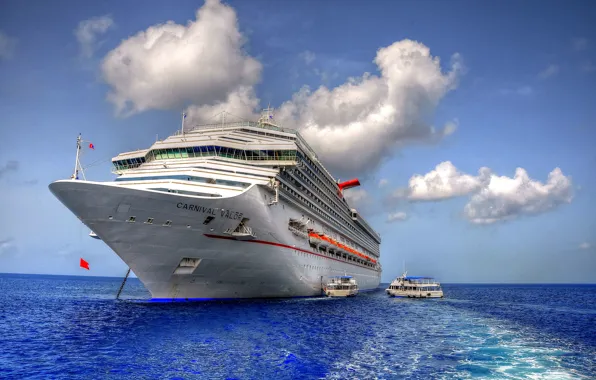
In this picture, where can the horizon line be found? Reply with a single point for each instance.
(442, 283)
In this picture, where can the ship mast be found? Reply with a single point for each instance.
(182, 126)
(78, 167)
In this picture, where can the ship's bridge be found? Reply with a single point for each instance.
(260, 143)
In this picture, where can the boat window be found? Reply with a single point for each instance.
(208, 219)
(168, 223)
(132, 219)
(210, 150)
(149, 221)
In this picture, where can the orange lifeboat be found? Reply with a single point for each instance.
(317, 239)
(327, 242)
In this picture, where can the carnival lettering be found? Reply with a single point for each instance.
(229, 214)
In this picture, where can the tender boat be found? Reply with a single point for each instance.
(415, 287)
(341, 286)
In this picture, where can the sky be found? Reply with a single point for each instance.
(471, 125)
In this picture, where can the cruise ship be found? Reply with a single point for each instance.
(228, 210)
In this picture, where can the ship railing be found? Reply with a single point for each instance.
(234, 124)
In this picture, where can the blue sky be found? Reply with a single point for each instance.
(525, 99)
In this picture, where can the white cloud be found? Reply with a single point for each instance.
(579, 43)
(450, 127)
(169, 65)
(357, 197)
(203, 63)
(243, 102)
(585, 246)
(374, 115)
(396, 216)
(88, 31)
(444, 182)
(505, 198)
(383, 182)
(8, 46)
(549, 71)
(493, 198)
(308, 56)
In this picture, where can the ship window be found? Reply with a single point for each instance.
(168, 223)
(208, 219)
(132, 219)
(110, 217)
(149, 221)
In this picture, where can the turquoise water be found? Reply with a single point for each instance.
(71, 327)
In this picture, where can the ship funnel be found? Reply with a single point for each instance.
(348, 184)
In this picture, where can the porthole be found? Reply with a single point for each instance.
(168, 223)
(132, 219)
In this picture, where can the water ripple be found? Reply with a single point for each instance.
(69, 327)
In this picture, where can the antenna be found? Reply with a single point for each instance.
(75, 174)
(183, 117)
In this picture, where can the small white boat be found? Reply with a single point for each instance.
(415, 287)
(341, 286)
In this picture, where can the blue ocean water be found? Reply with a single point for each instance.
(71, 327)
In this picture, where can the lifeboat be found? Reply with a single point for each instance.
(317, 239)
(327, 242)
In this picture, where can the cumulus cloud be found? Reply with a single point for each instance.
(242, 102)
(444, 182)
(308, 56)
(357, 197)
(203, 63)
(9, 166)
(372, 114)
(89, 30)
(8, 46)
(549, 71)
(170, 65)
(505, 198)
(493, 198)
(585, 246)
(396, 217)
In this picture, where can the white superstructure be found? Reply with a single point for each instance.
(341, 286)
(229, 210)
(415, 287)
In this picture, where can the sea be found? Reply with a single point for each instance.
(61, 327)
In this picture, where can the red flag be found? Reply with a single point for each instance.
(91, 146)
(84, 264)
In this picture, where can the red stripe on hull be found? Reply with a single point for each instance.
(279, 245)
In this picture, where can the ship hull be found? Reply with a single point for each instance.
(274, 263)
